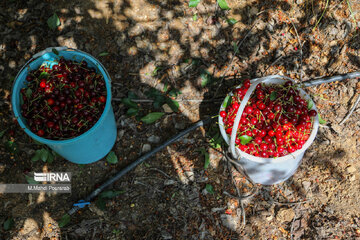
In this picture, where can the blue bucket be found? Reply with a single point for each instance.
(92, 145)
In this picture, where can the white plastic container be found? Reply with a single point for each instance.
(267, 171)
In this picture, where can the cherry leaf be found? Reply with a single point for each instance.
(245, 139)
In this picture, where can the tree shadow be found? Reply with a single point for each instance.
(141, 37)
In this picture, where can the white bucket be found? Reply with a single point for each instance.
(267, 171)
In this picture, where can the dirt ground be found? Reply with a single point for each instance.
(166, 44)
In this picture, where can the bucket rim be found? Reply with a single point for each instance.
(24, 69)
(291, 156)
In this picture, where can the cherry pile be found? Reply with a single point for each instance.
(63, 101)
(275, 122)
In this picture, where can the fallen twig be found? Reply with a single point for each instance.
(351, 110)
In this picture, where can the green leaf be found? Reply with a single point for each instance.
(236, 48)
(223, 5)
(153, 93)
(103, 54)
(273, 96)
(195, 17)
(132, 112)
(110, 194)
(65, 219)
(174, 93)
(231, 21)
(152, 117)
(155, 72)
(129, 103)
(56, 52)
(44, 154)
(53, 21)
(12, 79)
(37, 142)
(310, 104)
(112, 158)
(36, 156)
(8, 224)
(28, 92)
(50, 158)
(207, 158)
(100, 204)
(193, 3)
(206, 78)
(132, 95)
(43, 75)
(3, 132)
(227, 101)
(159, 101)
(209, 188)
(31, 180)
(321, 121)
(173, 104)
(166, 87)
(245, 139)
(11, 146)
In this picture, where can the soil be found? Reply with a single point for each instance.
(159, 44)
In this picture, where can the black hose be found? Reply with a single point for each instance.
(140, 160)
(342, 77)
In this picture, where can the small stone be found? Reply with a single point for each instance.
(180, 125)
(306, 185)
(169, 182)
(231, 222)
(352, 178)
(2, 168)
(167, 109)
(285, 215)
(153, 139)
(351, 169)
(146, 148)
(253, 10)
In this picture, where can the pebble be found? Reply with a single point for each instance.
(285, 215)
(352, 178)
(167, 109)
(231, 222)
(146, 148)
(153, 139)
(306, 185)
(169, 182)
(180, 125)
(351, 169)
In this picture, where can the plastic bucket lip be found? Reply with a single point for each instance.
(278, 159)
(18, 116)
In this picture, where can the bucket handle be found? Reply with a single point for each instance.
(254, 82)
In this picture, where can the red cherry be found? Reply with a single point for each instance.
(262, 133)
(247, 83)
(253, 121)
(50, 101)
(312, 113)
(223, 114)
(102, 99)
(40, 132)
(271, 133)
(263, 146)
(50, 124)
(42, 84)
(271, 116)
(261, 106)
(248, 109)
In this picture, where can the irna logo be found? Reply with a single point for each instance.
(52, 177)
